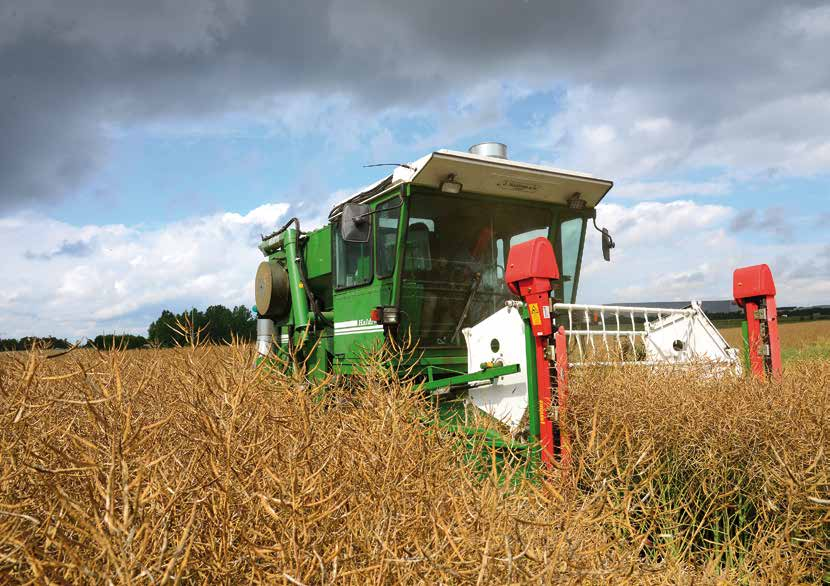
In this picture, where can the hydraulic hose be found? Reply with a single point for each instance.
(293, 220)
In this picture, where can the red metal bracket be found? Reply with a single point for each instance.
(754, 289)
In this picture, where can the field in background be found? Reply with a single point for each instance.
(153, 466)
(809, 339)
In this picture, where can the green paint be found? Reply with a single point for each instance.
(401, 248)
(318, 253)
(443, 360)
(490, 374)
(299, 302)
(532, 382)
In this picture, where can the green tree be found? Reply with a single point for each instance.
(243, 323)
(123, 341)
(217, 323)
(162, 330)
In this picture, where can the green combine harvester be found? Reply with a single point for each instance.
(476, 260)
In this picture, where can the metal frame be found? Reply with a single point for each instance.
(622, 317)
(397, 235)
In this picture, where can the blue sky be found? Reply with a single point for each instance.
(146, 150)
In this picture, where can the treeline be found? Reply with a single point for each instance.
(11, 344)
(785, 314)
(104, 341)
(123, 341)
(216, 324)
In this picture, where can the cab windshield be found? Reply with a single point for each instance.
(456, 253)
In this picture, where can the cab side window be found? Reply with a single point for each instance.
(352, 261)
(386, 236)
(570, 243)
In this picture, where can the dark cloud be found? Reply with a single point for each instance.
(770, 221)
(76, 249)
(71, 71)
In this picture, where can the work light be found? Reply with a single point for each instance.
(450, 185)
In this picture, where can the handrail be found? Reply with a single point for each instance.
(623, 308)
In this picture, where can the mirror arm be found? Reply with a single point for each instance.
(607, 241)
(602, 230)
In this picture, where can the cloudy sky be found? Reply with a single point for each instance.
(146, 145)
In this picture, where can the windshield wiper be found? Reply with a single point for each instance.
(473, 290)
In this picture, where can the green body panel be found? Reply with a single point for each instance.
(318, 254)
(354, 331)
(317, 258)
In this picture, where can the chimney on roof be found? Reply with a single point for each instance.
(496, 150)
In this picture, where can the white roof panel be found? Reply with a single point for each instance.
(506, 178)
(498, 177)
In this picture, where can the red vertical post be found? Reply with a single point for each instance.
(753, 330)
(774, 342)
(754, 289)
(544, 388)
(561, 345)
(538, 309)
(531, 266)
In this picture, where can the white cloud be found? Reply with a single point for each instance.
(629, 136)
(788, 136)
(668, 189)
(682, 250)
(122, 280)
(653, 125)
(617, 134)
(599, 135)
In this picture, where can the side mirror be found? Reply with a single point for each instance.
(607, 244)
(354, 222)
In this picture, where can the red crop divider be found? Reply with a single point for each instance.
(531, 268)
(754, 290)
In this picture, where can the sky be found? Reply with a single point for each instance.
(146, 146)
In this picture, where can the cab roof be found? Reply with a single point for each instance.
(489, 176)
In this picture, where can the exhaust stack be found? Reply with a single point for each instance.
(496, 150)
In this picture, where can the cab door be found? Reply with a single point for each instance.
(356, 294)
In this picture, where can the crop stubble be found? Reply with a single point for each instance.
(190, 465)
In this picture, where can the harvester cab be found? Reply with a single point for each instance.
(422, 254)
(476, 259)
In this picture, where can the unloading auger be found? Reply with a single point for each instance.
(476, 258)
